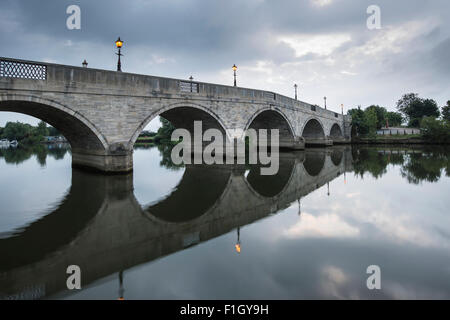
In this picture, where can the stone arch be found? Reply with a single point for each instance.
(273, 118)
(82, 134)
(336, 131)
(313, 129)
(181, 114)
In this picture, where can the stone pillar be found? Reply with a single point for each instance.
(118, 161)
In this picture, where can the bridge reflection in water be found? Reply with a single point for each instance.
(101, 227)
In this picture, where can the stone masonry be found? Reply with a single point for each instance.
(103, 112)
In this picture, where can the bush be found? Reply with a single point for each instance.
(435, 130)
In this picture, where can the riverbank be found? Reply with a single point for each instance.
(396, 139)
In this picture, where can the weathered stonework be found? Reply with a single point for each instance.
(102, 112)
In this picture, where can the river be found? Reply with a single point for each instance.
(226, 232)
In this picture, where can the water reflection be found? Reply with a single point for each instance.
(100, 226)
(22, 153)
(416, 165)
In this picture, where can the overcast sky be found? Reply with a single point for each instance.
(322, 45)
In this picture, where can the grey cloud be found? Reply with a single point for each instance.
(205, 37)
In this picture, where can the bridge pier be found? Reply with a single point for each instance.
(106, 163)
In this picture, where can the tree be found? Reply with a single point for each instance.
(52, 131)
(41, 129)
(394, 118)
(415, 108)
(370, 120)
(446, 111)
(380, 113)
(24, 132)
(17, 131)
(435, 130)
(358, 120)
(430, 109)
(165, 131)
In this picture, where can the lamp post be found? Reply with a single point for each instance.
(190, 79)
(234, 70)
(342, 109)
(295, 87)
(84, 64)
(325, 99)
(328, 189)
(119, 44)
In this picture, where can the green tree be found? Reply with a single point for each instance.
(370, 119)
(358, 121)
(446, 111)
(53, 131)
(41, 129)
(435, 130)
(165, 131)
(394, 119)
(17, 131)
(380, 113)
(415, 108)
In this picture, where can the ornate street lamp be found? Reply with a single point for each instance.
(234, 70)
(325, 99)
(85, 64)
(119, 44)
(342, 109)
(295, 86)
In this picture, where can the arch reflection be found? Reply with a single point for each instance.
(314, 162)
(197, 192)
(270, 186)
(101, 227)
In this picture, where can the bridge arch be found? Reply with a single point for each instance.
(313, 129)
(336, 131)
(273, 118)
(183, 115)
(82, 134)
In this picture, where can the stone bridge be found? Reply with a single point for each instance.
(101, 227)
(102, 112)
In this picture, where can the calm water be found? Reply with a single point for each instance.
(167, 232)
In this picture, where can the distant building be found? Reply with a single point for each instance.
(398, 130)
